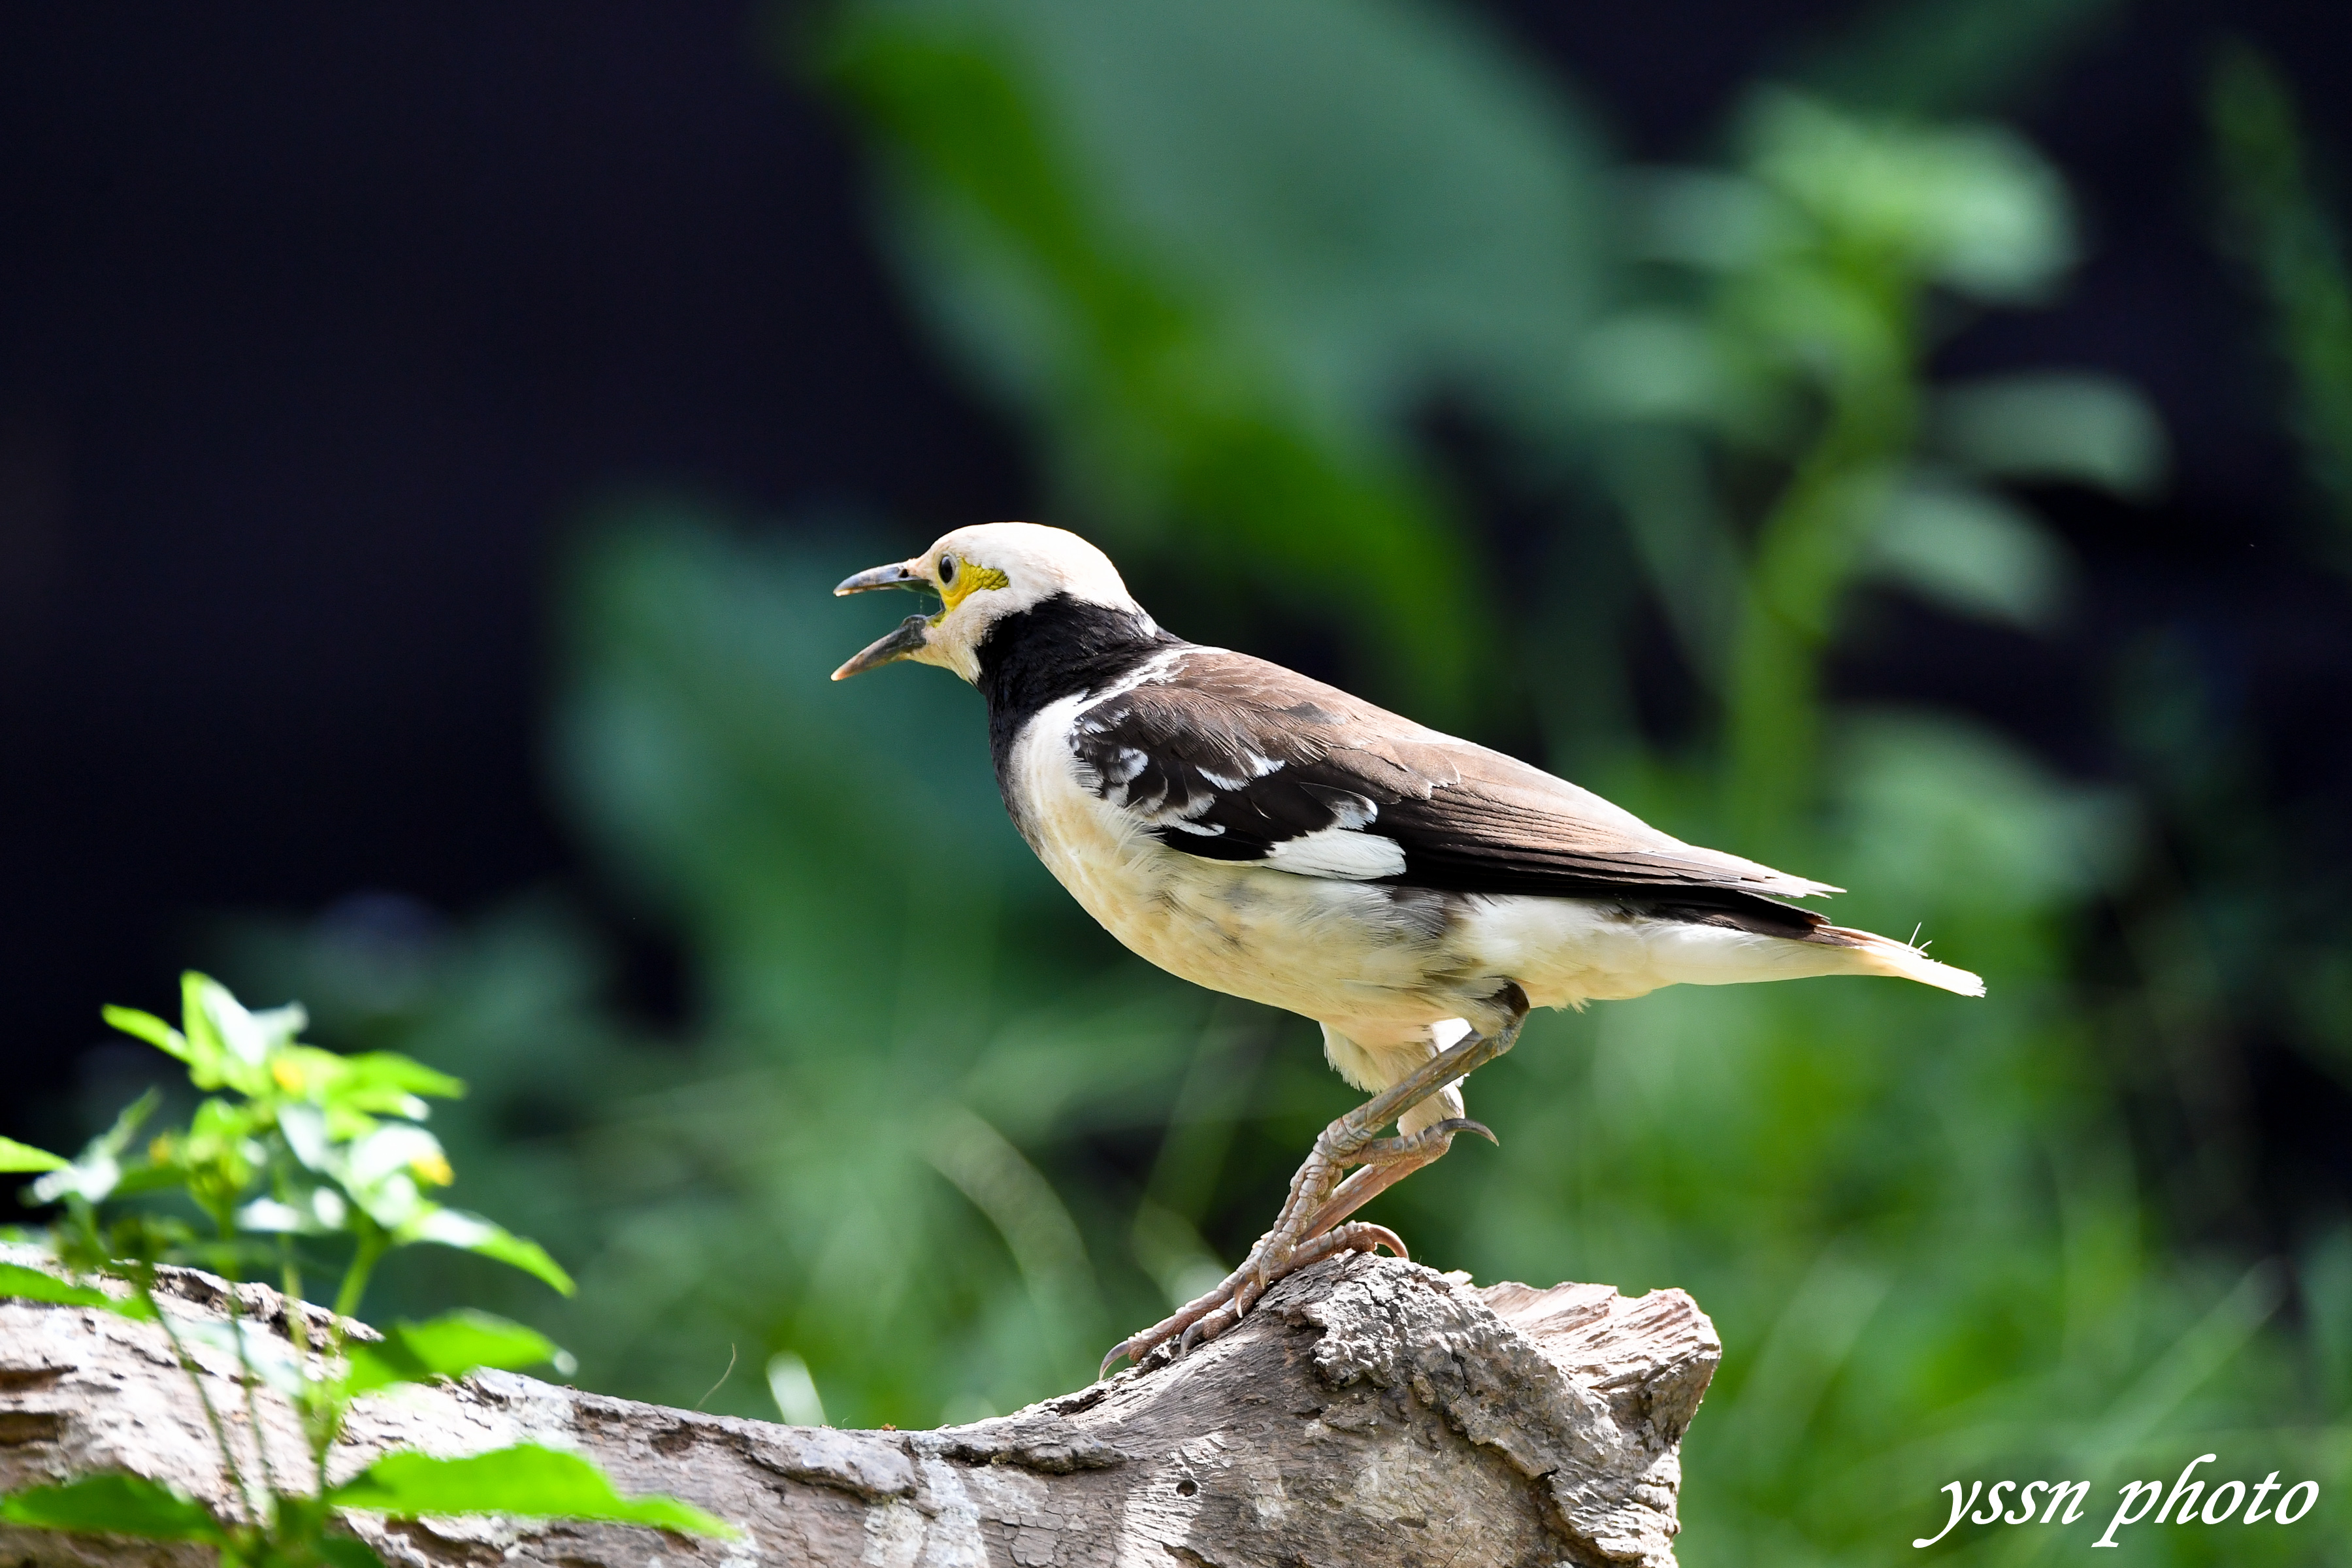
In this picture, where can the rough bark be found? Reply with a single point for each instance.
(1370, 1412)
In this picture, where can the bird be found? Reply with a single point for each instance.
(1268, 835)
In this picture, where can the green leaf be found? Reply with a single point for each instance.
(2092, 429)
(346, 1551)
(472, 1233)
(23, 1284)
(231, 1044)
(205, 1054)
(1969, 551)
(151, 1029)
(150, 1178)
(15, 1156)
(93, 1175)
(447, 1346)
(383, 1082)
(271, 1217)
(391, 1151)
(525, 1480)
(305, 1127)
(1969, 207)
(303, 1536)
(115, 1505)
(390, 1069)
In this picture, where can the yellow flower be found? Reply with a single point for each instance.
(433, 1168)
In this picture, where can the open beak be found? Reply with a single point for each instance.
(911, 633)
(897, 574)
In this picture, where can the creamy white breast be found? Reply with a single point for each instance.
(1328, 948)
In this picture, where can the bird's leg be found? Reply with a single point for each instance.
(1308, 1229)
(1399, 1158)
(1319, 1200)
(1323, 1235)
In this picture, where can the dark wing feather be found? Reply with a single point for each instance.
(1228, 757)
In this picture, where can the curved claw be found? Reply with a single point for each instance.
(1357, 1236)
(1463, 1124)
(1136, 1346)
(1199, 1332)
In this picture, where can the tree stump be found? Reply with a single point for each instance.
(1370, 1412)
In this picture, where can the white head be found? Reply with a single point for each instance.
(983, 574)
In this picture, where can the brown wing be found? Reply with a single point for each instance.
(1229, 757)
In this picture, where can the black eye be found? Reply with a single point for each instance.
(947, 571)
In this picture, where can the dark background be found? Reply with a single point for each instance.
(320, 327)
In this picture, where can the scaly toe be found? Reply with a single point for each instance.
(1207, 1328)
(1357, 1236)
(1137, 1346)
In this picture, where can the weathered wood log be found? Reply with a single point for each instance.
(1370, 1412)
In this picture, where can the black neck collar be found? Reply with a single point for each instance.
(1057, 649)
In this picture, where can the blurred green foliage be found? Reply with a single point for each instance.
(926, 1141)
(1218, 252)
(2281, 230)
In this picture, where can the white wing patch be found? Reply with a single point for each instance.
(1121, 770)
(1342, 854)
(1353, 810)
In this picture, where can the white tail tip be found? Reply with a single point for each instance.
(1885, 955)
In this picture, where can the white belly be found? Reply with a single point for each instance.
(1331, 951)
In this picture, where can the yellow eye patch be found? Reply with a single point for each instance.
(969, 579)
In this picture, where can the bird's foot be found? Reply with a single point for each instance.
(1310, 1229)
(1270, 1260)
(1311, 1226)
(1250, 1283)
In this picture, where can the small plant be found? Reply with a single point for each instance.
(294, 1147)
